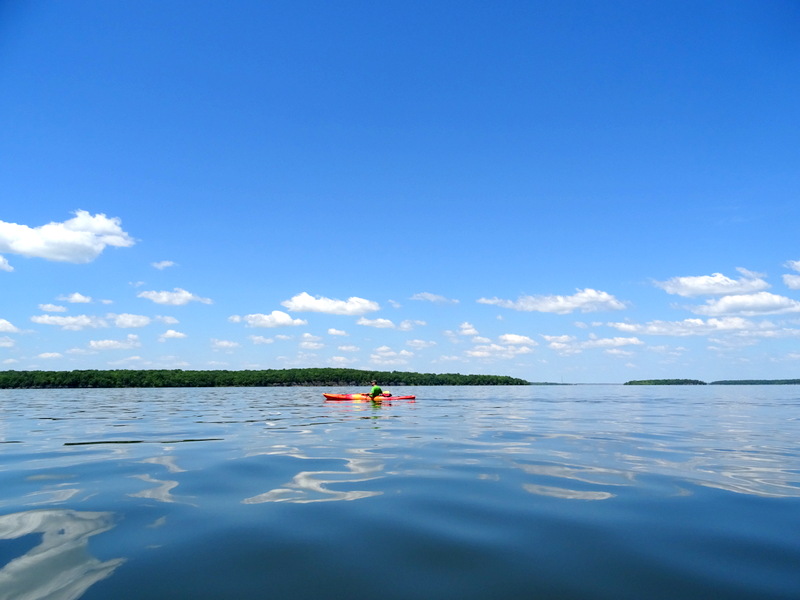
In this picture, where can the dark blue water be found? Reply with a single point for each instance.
(575, 492)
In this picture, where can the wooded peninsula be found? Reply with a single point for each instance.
(721, 382)
(125, 378)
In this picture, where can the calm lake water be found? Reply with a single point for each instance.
(574, 492)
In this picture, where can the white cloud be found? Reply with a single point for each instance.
(6, 342)
(177, 297)
(276, 318)
(4, 266)
(171, 334)
(386, 356)
(497, 351)
(260, 339)
(132, 341)
(586, 300)
(792, 281)
(379, 323)
(305, 302)
(420, 344)
(223, 344)
(792, 264)
(167, 320)
(311, 345)
(10, 361)
(311, 342)
(78, 240)
(349, 348)
(7, 327)
(748, 305)
(75, 323)
(408, 325)
(49, 355)
(435, 298)
(52, 308)
(467, 328)
(714, 285)
(342, 360)
(333, 331)
(689, 327)
(513, 338)
(163, 264)
(75, 298)
(127, 321)
(568, 345)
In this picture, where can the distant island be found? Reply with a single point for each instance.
(130, 378)
(665, 382)
(721, 382)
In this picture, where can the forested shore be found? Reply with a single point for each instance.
(129, 378)
(721, 382)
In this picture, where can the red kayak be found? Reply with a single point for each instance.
(365, 397)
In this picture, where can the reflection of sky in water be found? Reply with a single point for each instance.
(569, 444)
(60, 567)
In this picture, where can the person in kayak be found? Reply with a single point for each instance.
(375, 391)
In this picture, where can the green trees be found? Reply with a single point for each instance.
(124, 378)
(666, 382)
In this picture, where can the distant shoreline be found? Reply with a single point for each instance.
(163, 378)
(720, 382)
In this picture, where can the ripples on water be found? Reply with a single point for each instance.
(535, 492)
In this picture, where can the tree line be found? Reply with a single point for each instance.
(721, 382)
(131, 378)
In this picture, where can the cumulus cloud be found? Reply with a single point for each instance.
(567, 344)
(260, 339)
(349, 348)
(7, 327)
(792, 281)
(420, 344)
(408, 325)
(586, 300)
(792, 264)
(223, 344)
(386, 356)
(132, 341)
(435, 298)
(75, 323)
(689, 327)
(78, 240)
(276, 318)
(52, 308)
(513, 338)
(75, 298)
(4, 265)
(339, 332)
(748, 305)
(127, 321)
(714, 285)
(497, 351)
(353, 306)
(171, 334)
(379, 323)
(467, 328)
(47, 355)
(6, 342)
(163, 264)
(177, 297)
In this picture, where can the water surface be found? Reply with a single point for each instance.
(470, 492)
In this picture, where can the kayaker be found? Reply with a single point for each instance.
(375, 391)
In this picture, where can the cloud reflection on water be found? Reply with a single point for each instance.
(310, 486)
(60, 567)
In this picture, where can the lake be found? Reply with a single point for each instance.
(565, 492)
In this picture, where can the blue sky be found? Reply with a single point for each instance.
(561, 191)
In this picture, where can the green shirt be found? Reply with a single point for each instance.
(376, 391)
